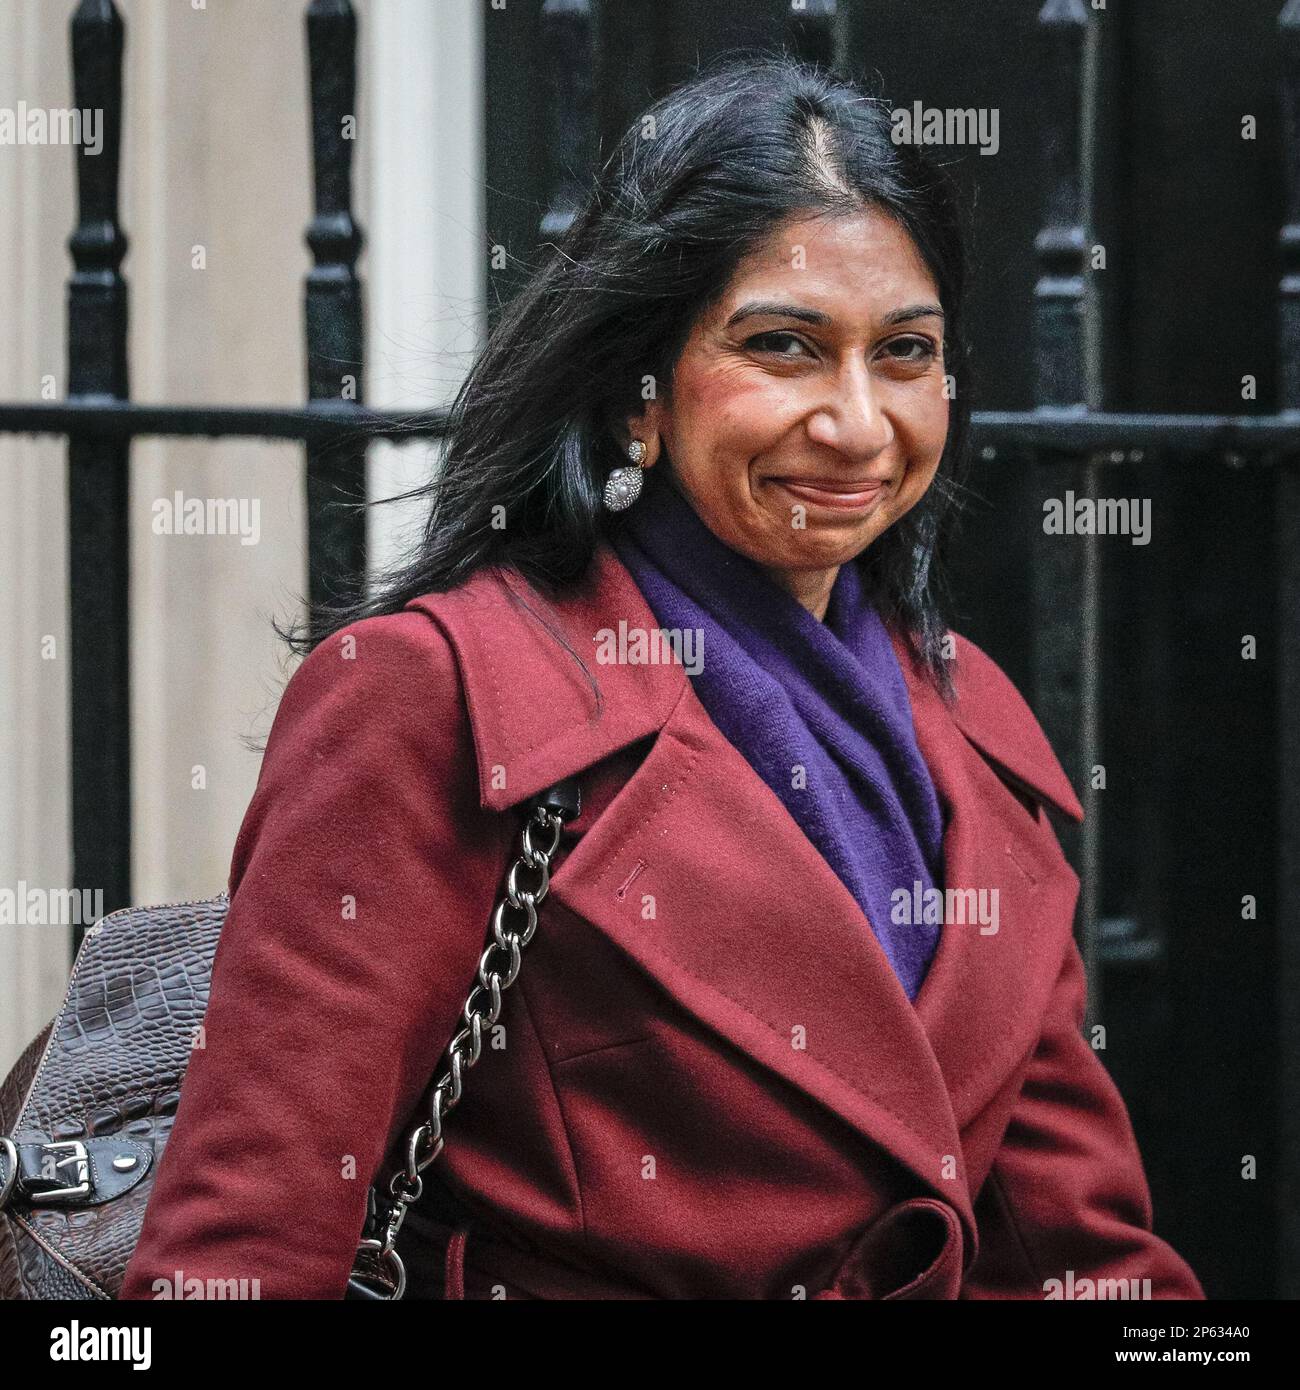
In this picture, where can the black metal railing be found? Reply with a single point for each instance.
(100, 421)
(1070, 440)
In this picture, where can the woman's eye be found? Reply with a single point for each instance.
(779, 344)
(912, 349)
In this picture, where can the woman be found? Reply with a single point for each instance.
(802, 1014)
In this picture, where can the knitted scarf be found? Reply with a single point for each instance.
(820, 710)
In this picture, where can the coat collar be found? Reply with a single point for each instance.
(527, 737)
(796, 980)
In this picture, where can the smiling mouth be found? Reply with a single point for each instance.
(835, 494)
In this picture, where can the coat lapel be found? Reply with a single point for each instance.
(982, 999)
(698, 872)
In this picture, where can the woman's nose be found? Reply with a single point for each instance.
(851, 420)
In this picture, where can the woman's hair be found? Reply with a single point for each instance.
(696, 183)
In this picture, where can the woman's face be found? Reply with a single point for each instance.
(807, 412)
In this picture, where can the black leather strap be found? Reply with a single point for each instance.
(71, 1172)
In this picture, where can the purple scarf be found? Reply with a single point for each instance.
(788, 691)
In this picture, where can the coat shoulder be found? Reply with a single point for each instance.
(375, 709)
(996, 717)
(380, 697)
(391, 667)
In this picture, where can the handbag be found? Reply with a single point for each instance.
(86, 1110)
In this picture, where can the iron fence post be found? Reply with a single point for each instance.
(1066, 578)
(1288, 600)
(98, 483)
(336, 473)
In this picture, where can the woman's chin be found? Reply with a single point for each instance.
(815, 553)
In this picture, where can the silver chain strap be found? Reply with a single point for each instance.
(425, 1141)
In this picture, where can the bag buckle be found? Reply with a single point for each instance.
(79, 1159)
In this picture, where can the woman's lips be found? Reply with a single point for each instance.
(844, 497)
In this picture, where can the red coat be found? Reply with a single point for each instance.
(712, 1083)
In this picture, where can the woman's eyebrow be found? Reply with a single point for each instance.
(779, 311)
(914, 311)
(768, 309)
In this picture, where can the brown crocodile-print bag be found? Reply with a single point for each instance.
(86, 1110)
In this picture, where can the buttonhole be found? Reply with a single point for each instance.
(627, 882)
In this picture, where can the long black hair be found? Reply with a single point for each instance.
(698, 181)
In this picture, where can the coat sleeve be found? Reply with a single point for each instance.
(362, 881)
(1067, 1190)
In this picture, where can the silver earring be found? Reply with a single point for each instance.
(623, 486)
